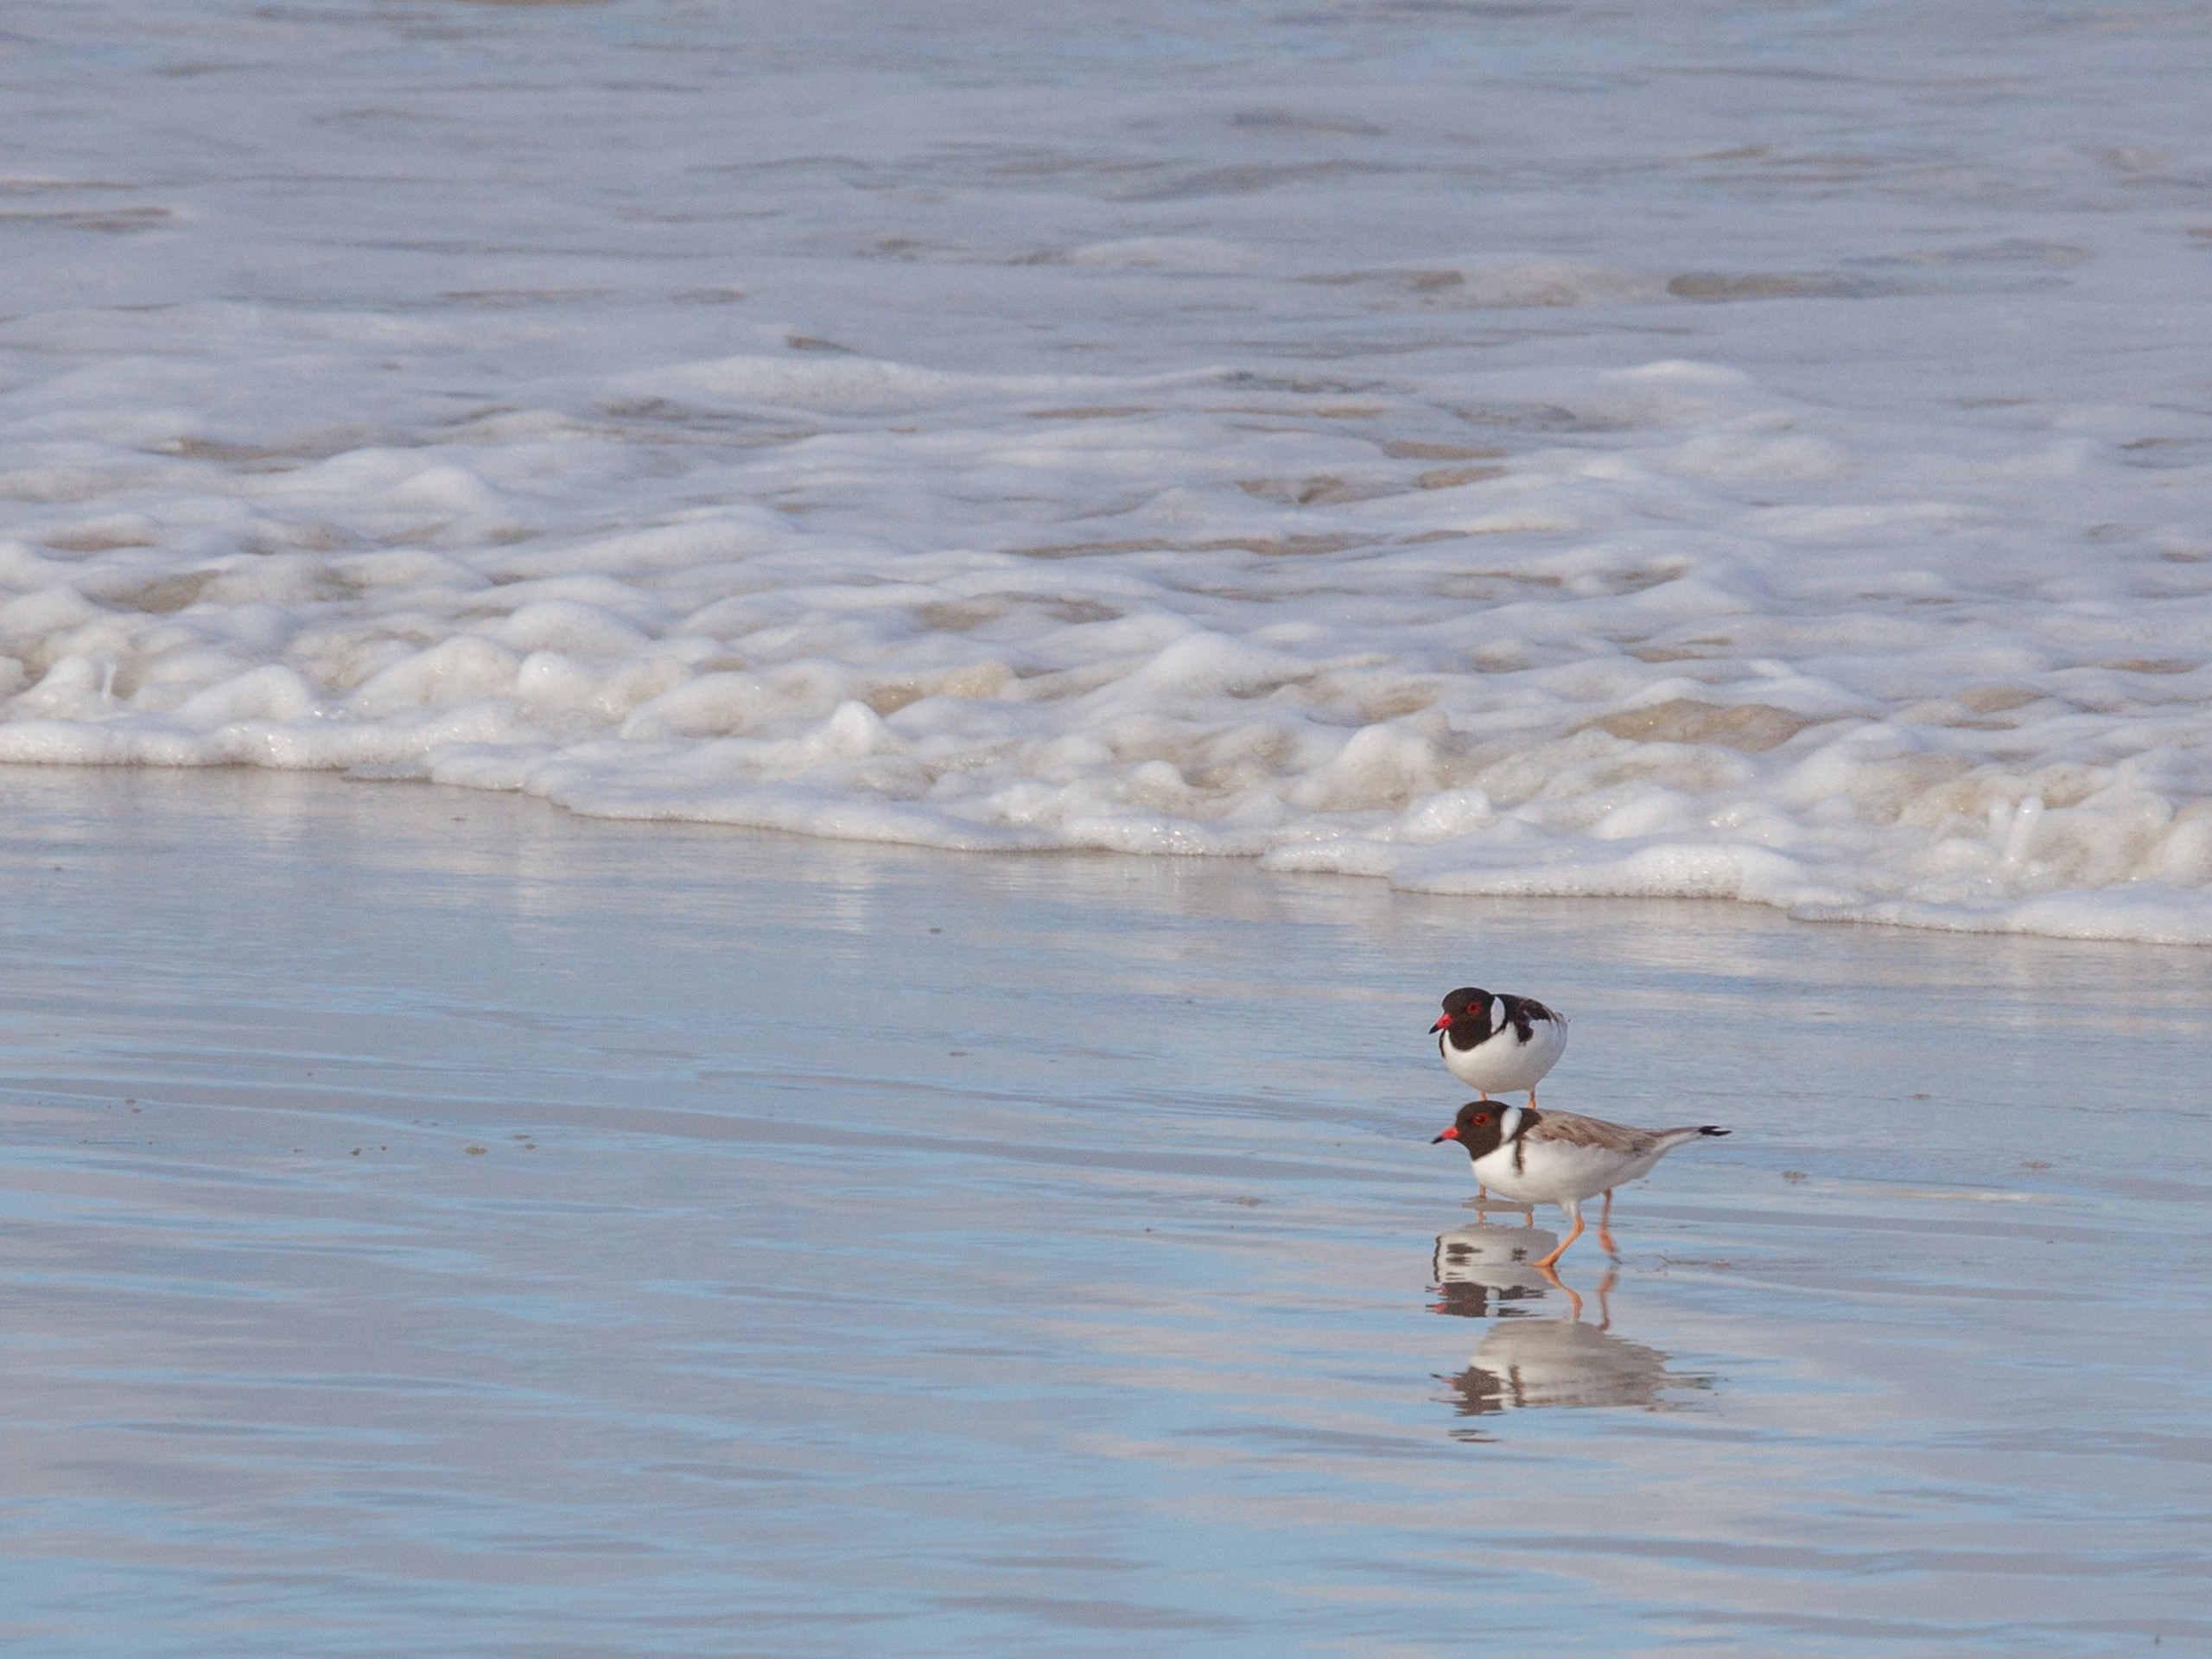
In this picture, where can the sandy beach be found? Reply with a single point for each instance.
(440, 1224)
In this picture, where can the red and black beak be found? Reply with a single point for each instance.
(1442, 1021)
(1452, 1134)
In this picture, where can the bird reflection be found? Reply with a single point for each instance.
(1523, 1361)
(1480, 1268)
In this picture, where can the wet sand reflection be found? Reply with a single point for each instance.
(1483, 1270)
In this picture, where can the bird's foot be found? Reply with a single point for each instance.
(1552, 1261)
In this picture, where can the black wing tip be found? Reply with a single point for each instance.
(1713, 1128)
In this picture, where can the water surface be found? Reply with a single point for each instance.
(435, 1223)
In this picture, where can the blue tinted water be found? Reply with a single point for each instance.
(1074, 1279)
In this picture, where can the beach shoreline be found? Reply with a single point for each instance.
(986, 438)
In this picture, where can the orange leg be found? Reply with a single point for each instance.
(1575, 1210)
(1605, 1228)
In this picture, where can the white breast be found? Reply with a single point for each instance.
(1501, 1061)
(1550, 1171)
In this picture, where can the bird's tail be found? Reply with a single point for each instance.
(1689, 1132)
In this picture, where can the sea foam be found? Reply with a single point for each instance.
(1280, 484)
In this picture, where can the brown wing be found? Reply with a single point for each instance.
(1576, 1130)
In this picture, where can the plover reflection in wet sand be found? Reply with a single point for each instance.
(1561, 1158)
(1480, 1268)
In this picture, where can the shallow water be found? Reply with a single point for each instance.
(876, 1251)
(1754, 452)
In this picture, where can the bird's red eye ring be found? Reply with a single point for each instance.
(1482, 1117)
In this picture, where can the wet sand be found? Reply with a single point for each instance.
(436, 1224)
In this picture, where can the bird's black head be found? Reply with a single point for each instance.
(1466, 1010)
(1477, 1128)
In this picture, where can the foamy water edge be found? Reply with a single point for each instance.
(1482, 568)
